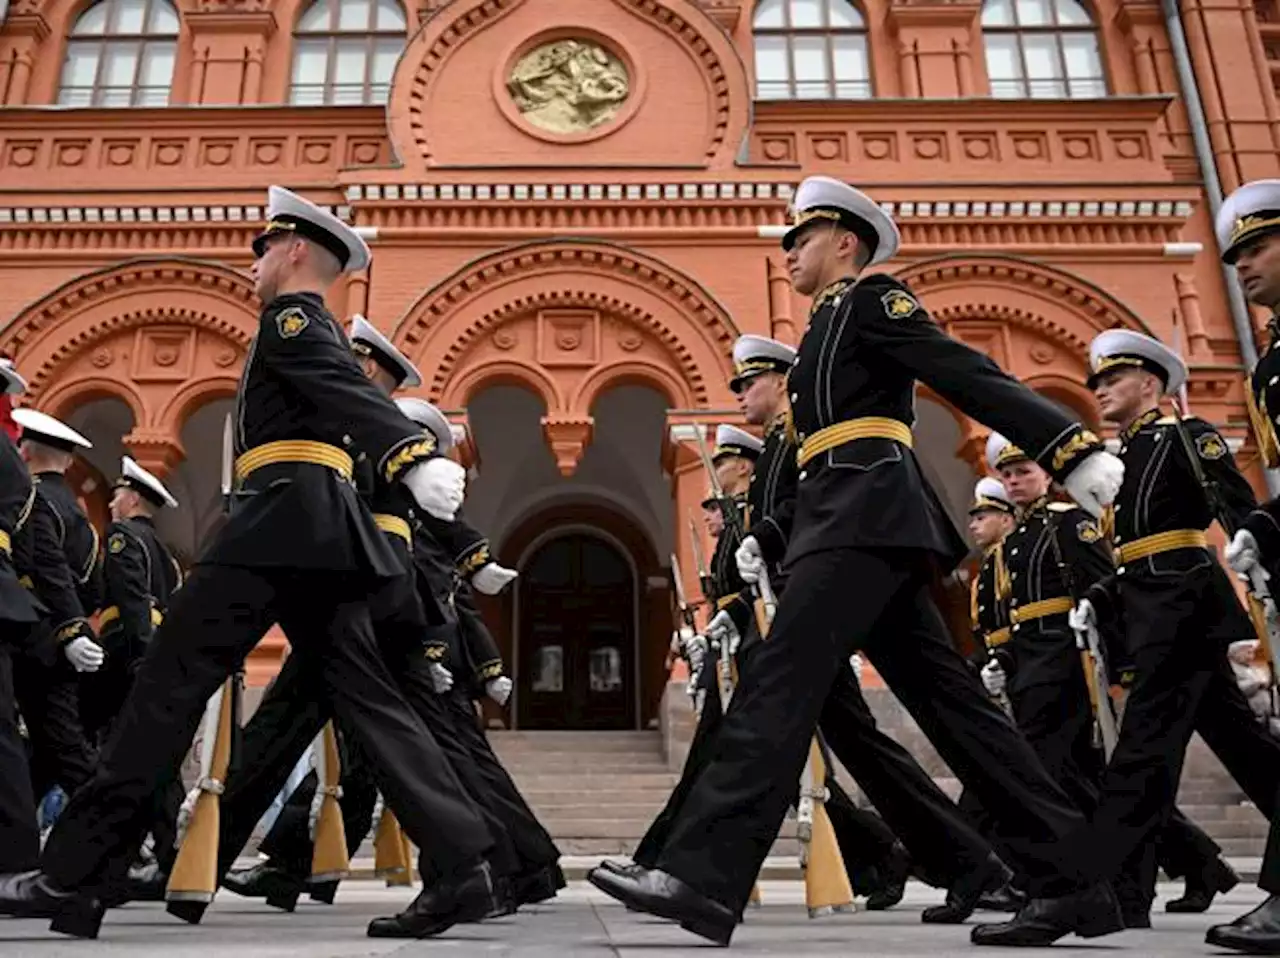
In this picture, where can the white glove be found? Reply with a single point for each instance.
(84, 654)
(1242, 552)
(993, 678)
(855, 662)
(750, 560)
(498, 689)
(491, 578)
(722, 629)
(1095, 482)
(441, 678)
(696, 650)
(1083, 617)
(439, 485)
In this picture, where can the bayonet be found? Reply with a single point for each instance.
(228, 461)
(699, 560)
(686, 610)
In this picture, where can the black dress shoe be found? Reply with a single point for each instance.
(1257, 933)
(1217, 878)
(895, 871)
(1089, 914)
(654, 892)
(143, 883)
(323, 891)
(619, 868)
(964, 894)
(265, 880)
(537, 885)
(1006, 898)
(468, 896)
(33, 895)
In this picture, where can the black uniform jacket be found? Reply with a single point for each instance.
(301, 382)
(141, 575)
(1160, 494)
(42, 567)
(459, 552)
(731, 593)
(771, 497)
(989, 608)
(17, 500)
(1056, 551)
(78, 537)
(866, 345)
(1264, 410)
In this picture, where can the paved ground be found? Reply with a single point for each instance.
(579, 922)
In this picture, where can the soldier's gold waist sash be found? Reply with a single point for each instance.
(294, 450)
(1039, 610)
(394, 525)
(112, 612)
(865, 427)
(6, 544)
(999, 637)
(724, 602)
(1160, 542)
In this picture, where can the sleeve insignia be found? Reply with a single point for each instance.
(899, 304)
(116, 543)
(1211, 446)
(1087, 530)
(290, 322)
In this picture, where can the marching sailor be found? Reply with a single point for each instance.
(866, 519)
(302, 403)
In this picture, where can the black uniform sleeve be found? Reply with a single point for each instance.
(481, 648)
(1088, 556)
(773, 529)
(467, 544)
(128, 582)
(51, 577)
(305, 346)
(890, 319)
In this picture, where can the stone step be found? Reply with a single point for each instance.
(566, 794)
(601, 783)
(1206, 815)
(1250, 848)
(633, 828)
(604, 811)
(558, 741)
(787, 848)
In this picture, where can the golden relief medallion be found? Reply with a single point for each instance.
(569, 86)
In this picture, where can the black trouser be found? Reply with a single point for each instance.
(49, 699)
(216, 619)
(102, 693)
(289, 841)
(1178, 629)
(839, 602)
(19, 834)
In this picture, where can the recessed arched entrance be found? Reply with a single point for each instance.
(576, 629)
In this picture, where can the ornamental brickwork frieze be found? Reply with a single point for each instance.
(643, 82)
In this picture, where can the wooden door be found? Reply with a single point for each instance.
(576, 636)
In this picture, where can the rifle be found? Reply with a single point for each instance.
(1262, 604)
(700, 562)
(1092, 659)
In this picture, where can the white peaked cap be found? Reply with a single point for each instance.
(1118, 348)
(13, 381)
(989, 493)
(367, 339)
(148, 485)
(732, 441)
(824, 198)
(429, 418)
(44, 428)
(1001, 452)
(1252, 210)
(287, 212)
(754, 354)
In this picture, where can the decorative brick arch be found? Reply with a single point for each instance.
(569, 319)
(163, 336)
(1036, 321)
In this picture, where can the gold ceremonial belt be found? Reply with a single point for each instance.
(726, 601)
(1038, 610)
(6, 545)
(997, 638)
(394, 525)
(112, 612)
(866, 427)
(294, 450)
(1161, 542)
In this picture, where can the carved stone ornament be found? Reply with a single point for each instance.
(569, 86)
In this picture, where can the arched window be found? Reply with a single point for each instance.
(811, 50)
(120, 53)
(344, 51)
(1045, 49)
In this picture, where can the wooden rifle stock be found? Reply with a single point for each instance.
(329, 859)
(827, 889)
